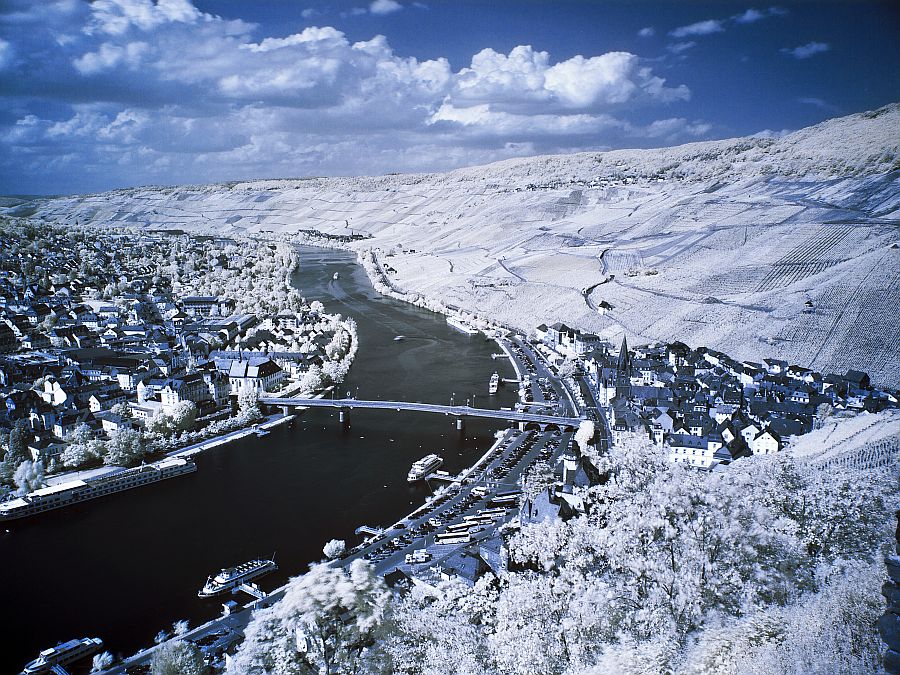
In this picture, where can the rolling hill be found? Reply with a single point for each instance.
(758, 246)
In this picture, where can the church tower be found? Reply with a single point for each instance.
(623, 371)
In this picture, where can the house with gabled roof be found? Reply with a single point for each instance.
(766, 442)
(258, 374)
(857, 379)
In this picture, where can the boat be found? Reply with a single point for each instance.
(399, 338)
(335, 276)
(72, 492)
(63, 654)
(461, 326)
(494, 383)
(423, 467)
(230, 578)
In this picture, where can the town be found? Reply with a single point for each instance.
(120, 348)
(706, 408)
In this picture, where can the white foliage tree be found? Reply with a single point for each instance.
(29, 476)
(585, 434)
(462, 617)
(248, 404)
(313, 380)
(334, 548)
(330, 621)
(101, 662)
(125, 447)
(178, 657)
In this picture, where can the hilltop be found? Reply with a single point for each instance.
(782, 246)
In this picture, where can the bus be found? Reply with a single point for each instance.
(507, 498)
(452, 538)
(459, 527)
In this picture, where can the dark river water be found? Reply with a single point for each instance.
(124, 567)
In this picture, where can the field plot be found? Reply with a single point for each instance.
(869, 332)
(809, 257)
(560, 269)
(733, 282)
(763, 215)
(619, 261)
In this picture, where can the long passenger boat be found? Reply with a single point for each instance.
(423, 467)
(63, 654)
(230, 578)
(461, 326)
(72, 492)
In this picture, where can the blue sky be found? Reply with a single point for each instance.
(116, 93)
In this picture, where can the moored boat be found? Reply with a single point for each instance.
(494, 383)
(461, 326)
(423, 467)
(63, 654)
(74, 491)
(231, 577)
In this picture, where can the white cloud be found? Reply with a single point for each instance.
(649, 31)
(309, 13)
(6, 54)
(482, 118)
(680, 47)
(525, 77)
(581, 82)
(181, 96)
(385, 7)
(309, 35)
(818, 103)
(109, 56)
(116, 17)
(700, 28)
(807, 50)
(753, 15)
(750, 16)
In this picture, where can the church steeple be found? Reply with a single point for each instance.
(624, 364)
(623, 372)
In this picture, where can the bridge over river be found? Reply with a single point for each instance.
(460, 412)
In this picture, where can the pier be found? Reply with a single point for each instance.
(250, 589)
(442, 476)
(369, 530)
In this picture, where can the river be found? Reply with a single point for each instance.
(124, 567)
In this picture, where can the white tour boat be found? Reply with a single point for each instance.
(74, 491)
(63, 654)
(461, 326)
(424, 467)
(230, 578)
(494, 383)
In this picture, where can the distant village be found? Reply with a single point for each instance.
(101, 334)
(704, 407)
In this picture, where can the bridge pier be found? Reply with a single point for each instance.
(460, 423)
(285, 410)
(344, 416)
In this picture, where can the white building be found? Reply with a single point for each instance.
(254, 374)
(766, 442)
